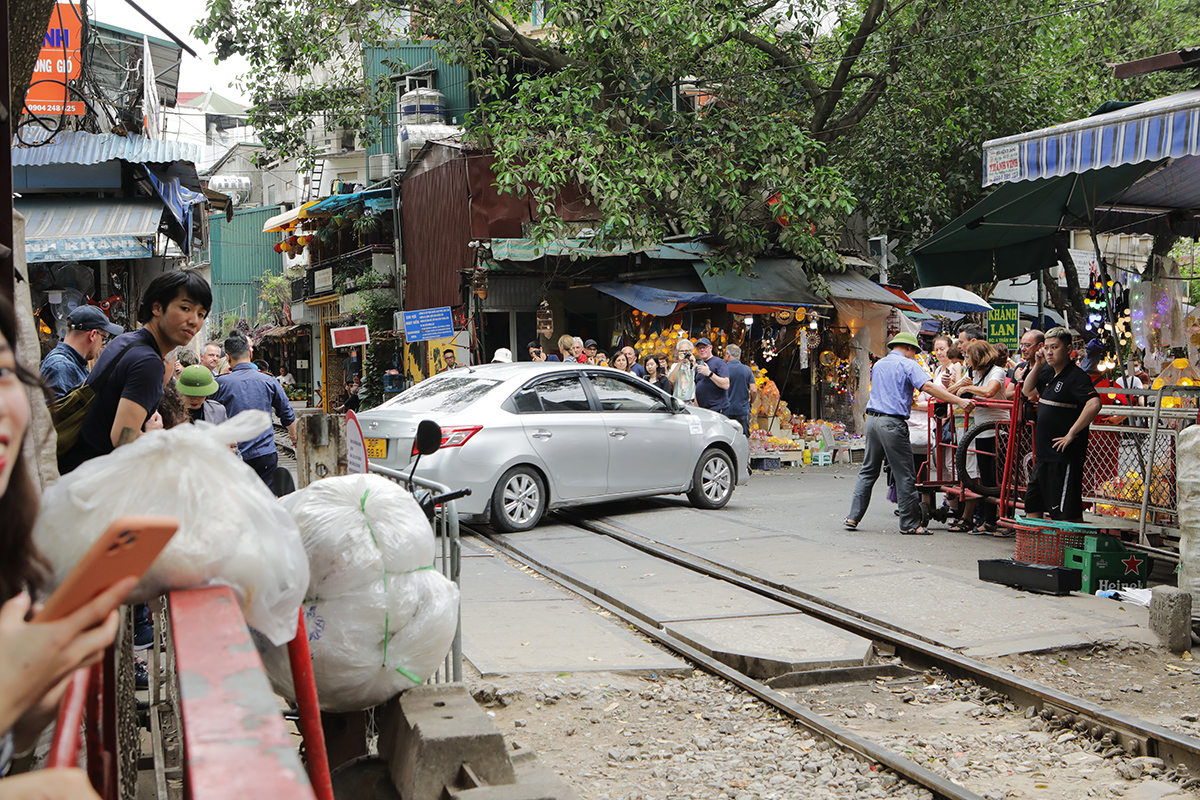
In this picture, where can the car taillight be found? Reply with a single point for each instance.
(454, 437)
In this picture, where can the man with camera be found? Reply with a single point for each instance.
(712, 378)
(537, 354)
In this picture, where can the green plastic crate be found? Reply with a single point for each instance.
(1106, 567)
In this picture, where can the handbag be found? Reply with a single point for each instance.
(71, 411)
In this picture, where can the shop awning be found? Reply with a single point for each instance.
(276, 333)
(772, 281)
(1012, 231)
(288, 219)
(1164, 128)
(376, 200)
(657, 300)
(851, 285)
(89, 229)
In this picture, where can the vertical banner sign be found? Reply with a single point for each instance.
(58, 64)
(150, 103)
(1004, 325)
(356, 446)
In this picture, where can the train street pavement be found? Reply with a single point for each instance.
(784, 527)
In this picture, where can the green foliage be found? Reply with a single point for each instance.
(277, 294)
(751, 126)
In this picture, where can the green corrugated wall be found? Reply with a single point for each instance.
(452, 81)
(240, 254)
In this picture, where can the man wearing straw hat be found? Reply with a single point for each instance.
(894, 378)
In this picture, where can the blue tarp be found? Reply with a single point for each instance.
(659, 302)
(376, 200)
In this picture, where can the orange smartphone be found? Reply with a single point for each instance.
(126, 549)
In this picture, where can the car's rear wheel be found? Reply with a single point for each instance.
(712, 480)
(519, 500)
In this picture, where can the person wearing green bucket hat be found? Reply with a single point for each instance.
(196, 383)
(894, 378)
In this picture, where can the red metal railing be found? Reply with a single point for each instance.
(234, 736)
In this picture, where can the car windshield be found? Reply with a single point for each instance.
(447, 394)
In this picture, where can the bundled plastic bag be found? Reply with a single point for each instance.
(232, 530)
(1187, 486)
(380, 618)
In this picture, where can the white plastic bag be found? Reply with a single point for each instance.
(1187, 488)
(232, 529)
(380, 617)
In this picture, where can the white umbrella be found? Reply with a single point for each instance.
(949, 298)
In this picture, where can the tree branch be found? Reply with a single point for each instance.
(833, 95)
(781, 57)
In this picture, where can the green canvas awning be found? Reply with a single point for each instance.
(1012, 231)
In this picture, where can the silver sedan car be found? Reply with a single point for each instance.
(529, 437)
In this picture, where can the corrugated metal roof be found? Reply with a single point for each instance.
(80, 147)
(851, 285)
(241, 256)
(88, 229)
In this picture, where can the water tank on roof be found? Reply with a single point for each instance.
(410, 138)
(422, 106)
(238, 187)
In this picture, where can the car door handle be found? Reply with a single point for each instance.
(617, 433)
(541, 433)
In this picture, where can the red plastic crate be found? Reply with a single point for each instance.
(1045, 545)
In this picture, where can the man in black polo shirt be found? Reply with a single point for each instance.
(1067, 404)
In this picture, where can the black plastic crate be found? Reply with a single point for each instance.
(1030, 577)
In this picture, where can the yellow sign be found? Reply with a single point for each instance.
(1004, 325)
(377, 448)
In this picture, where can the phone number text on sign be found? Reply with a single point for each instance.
(1003, 164)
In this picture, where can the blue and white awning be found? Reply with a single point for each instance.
(1165, 128)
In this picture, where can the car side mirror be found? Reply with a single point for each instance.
(429, 437)
(677, 406)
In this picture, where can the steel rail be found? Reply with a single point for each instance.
(1136, 736)
(942, 788)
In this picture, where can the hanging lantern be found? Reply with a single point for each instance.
(302, 240)
(545, 320)
(479, 284)
(279, 247)
(293, 240)
(285, 246)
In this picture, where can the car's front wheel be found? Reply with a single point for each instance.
(519, 500)
(712, 480)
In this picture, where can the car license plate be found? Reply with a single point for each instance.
(377, 448)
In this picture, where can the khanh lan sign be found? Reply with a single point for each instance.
(1004, 325)
(350, 337)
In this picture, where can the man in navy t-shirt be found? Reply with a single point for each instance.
(173, 309)
(712, 378)
(741, 388)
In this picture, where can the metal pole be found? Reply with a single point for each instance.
(1041, 304)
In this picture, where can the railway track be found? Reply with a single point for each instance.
(1112, 732)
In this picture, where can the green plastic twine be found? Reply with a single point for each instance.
(409, 675)
(363, 506)
(386, 637)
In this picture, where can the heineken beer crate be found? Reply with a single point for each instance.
(1106, 564)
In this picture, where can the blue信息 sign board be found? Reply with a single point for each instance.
(428, 323)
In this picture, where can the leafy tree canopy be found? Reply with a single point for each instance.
(752, 124)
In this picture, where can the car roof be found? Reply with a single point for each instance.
(522, 369)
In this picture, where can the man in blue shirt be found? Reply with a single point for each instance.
(65, 367)
(893, 380)
(742, 388)
(245, 387)
(712, 378)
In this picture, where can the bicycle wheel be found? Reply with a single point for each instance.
(966, 447)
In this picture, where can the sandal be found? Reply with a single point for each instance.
(920, 530)
(983, 530)
(960, 526)
(850, 524)
(1006, 533)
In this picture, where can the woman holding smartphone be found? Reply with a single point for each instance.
(36, 658)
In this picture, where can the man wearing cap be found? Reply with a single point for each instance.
(712, 378)
(894, 378)
(589, 350)
(502, 356)
(197, 385)
(65, 367)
